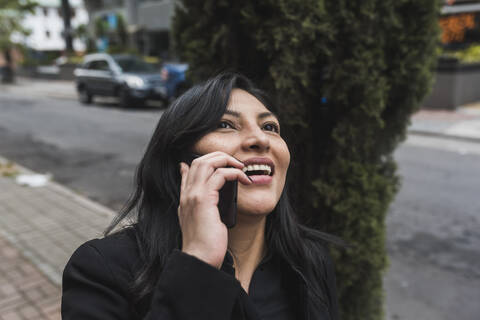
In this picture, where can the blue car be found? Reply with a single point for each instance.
(173, 76)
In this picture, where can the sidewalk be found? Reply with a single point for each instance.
(61, 89)
(40, 227)
(462, 123)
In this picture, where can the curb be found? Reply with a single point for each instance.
(53, 275)
(46, 269)
(36, 90)
(443, 135)
(84, 201)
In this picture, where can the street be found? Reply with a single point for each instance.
(432, 227)
(433, 231)
(92, 149)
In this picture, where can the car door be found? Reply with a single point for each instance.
(111, 81)
(100, 77)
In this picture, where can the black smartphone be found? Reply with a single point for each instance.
(227, 203)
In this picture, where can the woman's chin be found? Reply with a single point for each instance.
(260, 208)
(257, 201)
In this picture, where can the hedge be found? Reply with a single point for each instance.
(348, 75)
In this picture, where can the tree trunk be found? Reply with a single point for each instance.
(67, 27)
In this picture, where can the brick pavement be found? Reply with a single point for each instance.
(25, 292)
(39, 230)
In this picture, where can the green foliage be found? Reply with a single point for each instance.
(347, 75)
(11, 14)
(101, 27)
(81, 32)
(469, 55)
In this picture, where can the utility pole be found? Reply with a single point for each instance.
(67, 30)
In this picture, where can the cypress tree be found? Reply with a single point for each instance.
(347, 75)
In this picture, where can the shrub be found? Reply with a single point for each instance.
(347, 75)
(469, 55)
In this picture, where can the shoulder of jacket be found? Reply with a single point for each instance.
(118, 252)
(120, 242)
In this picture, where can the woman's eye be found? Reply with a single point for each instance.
(271, 127)
(224, 125)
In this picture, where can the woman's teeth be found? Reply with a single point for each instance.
(266, 169)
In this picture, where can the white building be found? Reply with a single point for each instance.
(46, 26)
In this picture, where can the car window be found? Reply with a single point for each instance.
(129, 64)
(99, 65)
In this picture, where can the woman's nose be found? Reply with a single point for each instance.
(256, 139)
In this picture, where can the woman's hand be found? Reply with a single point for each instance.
(203, 233)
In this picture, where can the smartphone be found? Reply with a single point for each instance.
(227, 203)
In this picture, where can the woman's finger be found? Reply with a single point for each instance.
(184, 173)
(214, 157)
(221, 175)
(203, 168)
(215, 154)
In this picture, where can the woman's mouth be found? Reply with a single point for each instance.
(261, 179)
(258, 170)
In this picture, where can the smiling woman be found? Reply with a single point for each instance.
(177, 259)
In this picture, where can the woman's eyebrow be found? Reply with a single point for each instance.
(260, 116)
(233, 113)
(266, 115)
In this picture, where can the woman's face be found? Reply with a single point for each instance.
(251, 133)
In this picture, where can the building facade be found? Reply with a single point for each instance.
(147, 22)
(47, 27)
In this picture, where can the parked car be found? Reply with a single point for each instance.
(129, 78)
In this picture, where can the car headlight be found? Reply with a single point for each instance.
(135, 82)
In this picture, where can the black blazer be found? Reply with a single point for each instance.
(97, 279)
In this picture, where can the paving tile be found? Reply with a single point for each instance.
(11, 315)
(39, 230)
(23, 288)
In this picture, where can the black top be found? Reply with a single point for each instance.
(268, 292)
(97, 279)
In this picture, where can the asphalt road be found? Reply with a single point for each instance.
(433, 231)
(433, 236)
(91, 149)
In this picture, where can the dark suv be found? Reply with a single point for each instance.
(129, 78)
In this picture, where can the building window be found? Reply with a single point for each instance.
(47, 34)
(45, 12)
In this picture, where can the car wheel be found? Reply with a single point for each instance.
(84, 96)
(124, 99)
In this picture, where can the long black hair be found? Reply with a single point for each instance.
(153, 205)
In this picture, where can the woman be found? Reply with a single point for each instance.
(177, 260)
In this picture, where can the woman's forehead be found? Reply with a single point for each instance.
(243, 102)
